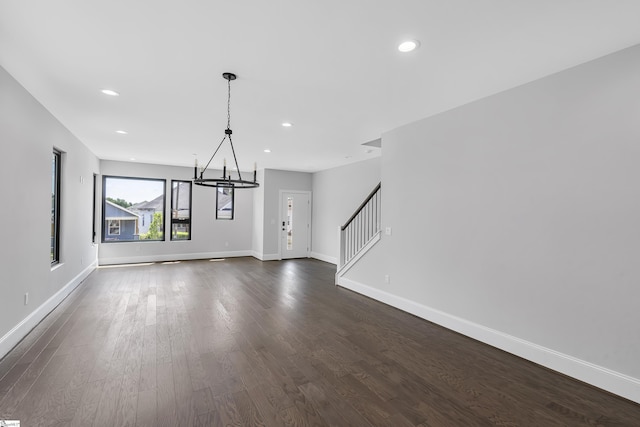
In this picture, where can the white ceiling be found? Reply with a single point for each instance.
(329, 67)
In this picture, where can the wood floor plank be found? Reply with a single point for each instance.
(210, 419)
(343, 406)
(110, 396)
(50, 381)
(244, 342)
(72, 385)
(25, 383)
(246, 372)
(322, 405)
(127, 403)
(375, 381)
(185, 409)
(148, 370)
(226, 407)
(146, 408)
(11, 378)
(268, 407)
(247, 409)
(166, 400)
(86, 411)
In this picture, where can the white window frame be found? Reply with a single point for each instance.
(111, 224)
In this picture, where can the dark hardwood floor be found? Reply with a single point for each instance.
(241, 342)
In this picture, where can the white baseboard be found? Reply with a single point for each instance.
(604, 378)
(15, 335)
(173, 257)
(265, 257)
(325, 258)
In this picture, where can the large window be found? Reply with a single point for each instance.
(180, 210)
(132, 209)
(55, 207)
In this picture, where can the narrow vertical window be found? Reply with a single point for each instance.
(55, 207)
(93, 210)
(180, 210)
(224, 203)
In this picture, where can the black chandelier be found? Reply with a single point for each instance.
(225, 181)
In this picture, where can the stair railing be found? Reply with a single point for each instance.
(361, 228)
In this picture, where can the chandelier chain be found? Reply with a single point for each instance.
(229, 104)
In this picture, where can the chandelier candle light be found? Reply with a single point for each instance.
(225, 181)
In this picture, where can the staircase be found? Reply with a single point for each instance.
(360, 233)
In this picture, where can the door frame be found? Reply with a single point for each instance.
(280, 216)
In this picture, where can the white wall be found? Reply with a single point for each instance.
(258, 217)
(209, 237)
(28, 135)
(516, 220)
(337, 193)
(253, 232)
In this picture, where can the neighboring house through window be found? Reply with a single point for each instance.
(120, 223)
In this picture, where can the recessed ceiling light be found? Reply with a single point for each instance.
(287, 125)
(110, 92)
(267, 151)
(132, 158)
(408, 45)
(122, 132)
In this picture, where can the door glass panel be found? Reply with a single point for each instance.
(289, 223)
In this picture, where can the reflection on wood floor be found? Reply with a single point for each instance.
(244, 342)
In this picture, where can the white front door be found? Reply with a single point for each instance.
(295, 224)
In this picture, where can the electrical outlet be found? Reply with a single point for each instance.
(26, 298)
(387, 231)
(387, 279)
